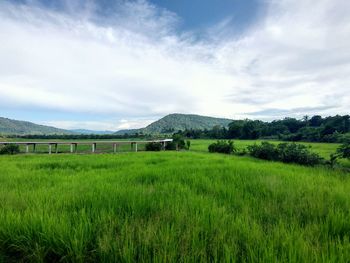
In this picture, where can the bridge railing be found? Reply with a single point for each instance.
(53, 146)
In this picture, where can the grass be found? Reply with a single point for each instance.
(323, 149)
(170, 207)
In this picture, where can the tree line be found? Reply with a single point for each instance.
(312, 129)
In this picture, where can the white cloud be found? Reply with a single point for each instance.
(134, 64)
(103, 125)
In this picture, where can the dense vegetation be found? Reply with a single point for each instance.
(285, 152)
(222, 147)
(9, 149)
(8, 126)
(170, 207)
(314, 129)
(154, 146)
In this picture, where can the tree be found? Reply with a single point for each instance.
(306, 119)
(316, 121)
(235, 129)
(344, 150)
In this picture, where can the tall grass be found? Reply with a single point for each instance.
(170, 207)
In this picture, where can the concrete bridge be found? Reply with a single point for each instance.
(53, 145)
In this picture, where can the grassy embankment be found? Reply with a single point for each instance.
(171, 207)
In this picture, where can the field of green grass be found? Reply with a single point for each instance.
(323, 149)
(171, 207)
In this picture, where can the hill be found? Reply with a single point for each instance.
(128, 131)
(84, 131)
(176, 122)
(9, 126)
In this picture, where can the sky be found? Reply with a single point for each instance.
(119, 64)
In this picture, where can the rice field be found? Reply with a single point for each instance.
(171, 207)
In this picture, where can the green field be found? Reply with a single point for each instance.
(171, 207)
(323, 149)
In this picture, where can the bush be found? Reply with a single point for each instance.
(285, 152)
(188, 144)
(333, 160)
(179, 141)
(154, 146)
(297, 153)
(265, 150)
(170, 146)
(9, 149)
(222, 147)
(344, 150)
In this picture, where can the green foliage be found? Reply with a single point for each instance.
(222, 147)
(333, 160)
(154, 146)
(179, 143)
(170, 207)
(285, 152)
(188, 144)
(315, 129)
(344, 150)
(9, 149)
(297, 153)
(265, 151)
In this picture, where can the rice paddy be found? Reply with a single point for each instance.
(171, 207)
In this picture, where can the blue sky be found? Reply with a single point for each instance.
(200, 14)
(115, 64)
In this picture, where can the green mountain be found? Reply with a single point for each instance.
(175, 122)
(8, 126)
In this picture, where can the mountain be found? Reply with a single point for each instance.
(128, 131)
(8, 126)
(84, 131)
(176, 121)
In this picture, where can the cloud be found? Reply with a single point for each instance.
(296, 112)
(101, 125)
(132, 62)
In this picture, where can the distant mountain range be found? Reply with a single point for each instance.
(8, 126)
(175, 122)
(168, 124)
(84, 131)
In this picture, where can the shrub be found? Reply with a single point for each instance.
(170, 146)
(265, 150)
(188, 144)
(297, 153)
(222, 147)
(333, 160)
(285, 152)
(344, 150)
(9, 149)
(179, 141)
(154, 146)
